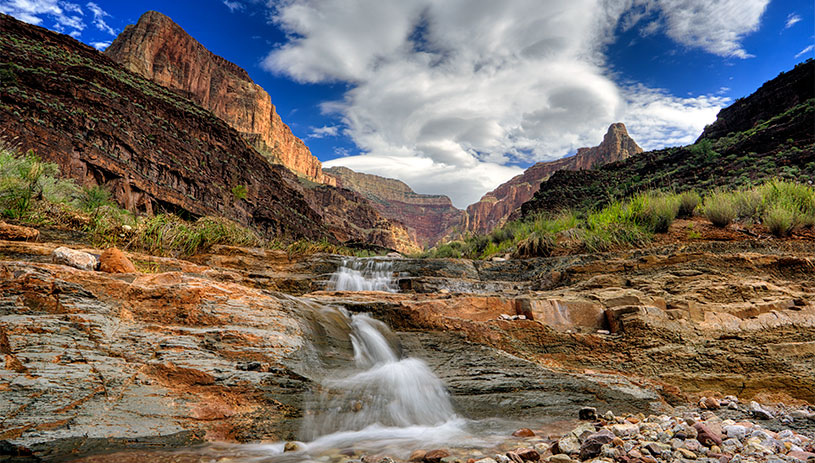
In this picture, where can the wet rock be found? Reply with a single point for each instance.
(417, 455)
(559, 458)
(113, 260)
(72, 258)
(292, 447)
(527, 454)
(587, 413)
(523, 432)
(17, 233)
(435, 456)
(593, 444)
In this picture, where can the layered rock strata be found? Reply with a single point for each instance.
(160, 50)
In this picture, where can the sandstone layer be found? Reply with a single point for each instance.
(496, 207)
(428, 217)
(160, 50)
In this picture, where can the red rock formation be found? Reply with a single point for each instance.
(429, 218)
(496, 207)
(159, 49)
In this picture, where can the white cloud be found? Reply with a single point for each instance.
(101, 45)
(324, 131)
(792, 19)
(99, 18)
(66, 16)
(446, 96)
(806, 50)
(234, 6)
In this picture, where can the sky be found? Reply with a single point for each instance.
(458, 96)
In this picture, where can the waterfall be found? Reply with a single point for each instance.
(363, 275)
(382, 398)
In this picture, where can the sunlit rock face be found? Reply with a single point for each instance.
(496, 207)
(160, 50)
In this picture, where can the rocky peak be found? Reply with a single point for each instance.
(429, 218)
(499, 205)
(159, 49)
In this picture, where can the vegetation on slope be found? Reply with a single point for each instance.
(31, 193)
(779, 205)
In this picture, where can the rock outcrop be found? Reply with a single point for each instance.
(154, 149)
(497, 206)
(429, 218)
(764, 135)
(774, 97)
(160, 50)
(158, 151)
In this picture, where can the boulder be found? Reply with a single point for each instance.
(435, 456)
(113, 260)
(73, 258)
(17, 233)
(593, 444)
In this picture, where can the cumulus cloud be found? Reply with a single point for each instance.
(101, 45)
(451, 96)
(99, 18)
(66, 16)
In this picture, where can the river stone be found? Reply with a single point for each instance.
(435, 456)
(625, 429)
(759, 412)
(587, 414)
(72, 258)
(486, 460)
(593, 444)
(523, 432)
(706, 436)
(568, 444)
(528, 454)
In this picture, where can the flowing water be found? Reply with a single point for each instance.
(364, 275)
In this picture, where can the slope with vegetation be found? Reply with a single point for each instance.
(155, 150)
(774, 137)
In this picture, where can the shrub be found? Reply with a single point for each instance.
(749, 203)
(26, 178)
(91, 198)
(779, 220)
(614, 235)
(535, 245)
(720, 209)
(167, 233)
(687, 204)
(240, 191)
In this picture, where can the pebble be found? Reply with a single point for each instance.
(759, 412)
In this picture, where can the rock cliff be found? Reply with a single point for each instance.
(429, 218)
(156, 150)
(764, 135)
(496, 207)
(160, 50)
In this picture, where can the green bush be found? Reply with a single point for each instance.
(91, 198)
(779, 220)
(688, 201)
(169, 234)
(720, 208)
(749, 203)
(26, 178)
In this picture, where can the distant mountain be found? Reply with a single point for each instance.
(429, 218)
(160, 50)
(770, 133)
(497, 206)
(157, 150)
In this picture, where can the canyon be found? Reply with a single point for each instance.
(160, 50)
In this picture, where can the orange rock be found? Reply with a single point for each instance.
(435, 456)
(523, 432)
(17, 233)
(115, 261)
(417, 455)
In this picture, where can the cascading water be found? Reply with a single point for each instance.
(363, 275)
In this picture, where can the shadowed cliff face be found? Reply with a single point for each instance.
(153, 148)
(160, 50)
(429, 218)
(496, 207)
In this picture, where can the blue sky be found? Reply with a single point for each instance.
(457, 96)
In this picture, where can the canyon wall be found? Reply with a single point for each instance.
(160, 50)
